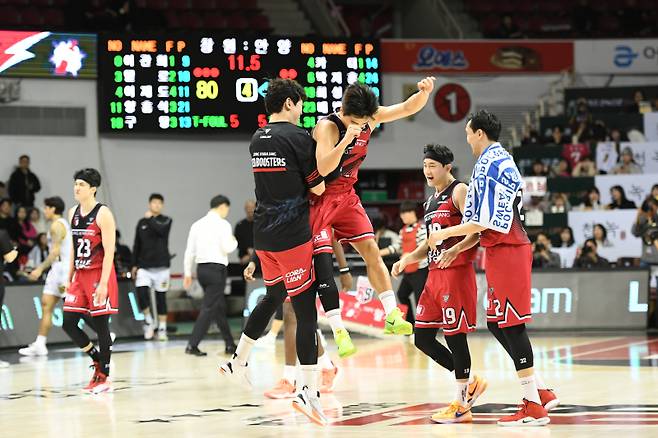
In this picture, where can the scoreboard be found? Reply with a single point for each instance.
(210, 83)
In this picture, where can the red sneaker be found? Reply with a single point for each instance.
(548, 399)
(529, 414)
(97, 369)
(102, 384)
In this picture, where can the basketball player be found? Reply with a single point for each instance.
(59, 262)
(284, 172)
(449, 299)
(493, 209)
(151, 265)
(93, 284)
(342, 143)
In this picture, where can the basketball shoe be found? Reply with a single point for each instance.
(102, 384)
(235, 373)
(548, 399)
(34, 349)
(529, 414)
(162, 335)
(344, 342)
(283, 389)
(97, 370)
(329, 380)
(396, 324)
(455, 413)
(309, 405)
(475, 390)
(149, 331)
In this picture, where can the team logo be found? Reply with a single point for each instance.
(420, 309)
(446, 298)
(67, 58)
(15, 47)
(76, 221)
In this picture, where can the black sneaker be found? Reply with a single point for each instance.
(230, 349)
(194, 351)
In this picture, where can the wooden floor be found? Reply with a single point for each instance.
(608, 386)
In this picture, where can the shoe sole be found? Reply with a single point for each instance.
(311, 417)
(536, 422)
(478, 393)
(280, 397)
(347, 353)
(451, 421)
(22, 353)
(552, 404)
(103, 391)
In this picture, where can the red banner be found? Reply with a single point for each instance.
(453, 56)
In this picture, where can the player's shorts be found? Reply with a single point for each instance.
(293, 266)
(344, 213)
(80, 296)
(449, 300)
(154, 278)
(508, 271)
(56, 279)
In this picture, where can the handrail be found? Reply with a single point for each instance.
(450, 18)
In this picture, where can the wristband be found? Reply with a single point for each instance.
(344, 270)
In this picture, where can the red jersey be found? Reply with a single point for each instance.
(441, 212)
(517, 234)
(343, 178)
(87, 240)
(574, 153)
(411, 236)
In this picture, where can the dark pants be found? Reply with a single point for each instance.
(412, 283)
(212, 277)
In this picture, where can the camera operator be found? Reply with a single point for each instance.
(589, 258)
(542, 256)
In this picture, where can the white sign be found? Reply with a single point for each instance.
(637, 187)
(617, 223)
(636, 56)
(651, 126)
(534, 185)
(645, 155)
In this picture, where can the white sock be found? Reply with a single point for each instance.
(539, 381)
(163, 327)
(244, 348)
(462, 393)
(335, 320)
(388, 301)
(471, 379)
(309, 378)
(290, 373)
(148, 319)
(529, 387)
(41, 340)
(325, 361)
(321, 339)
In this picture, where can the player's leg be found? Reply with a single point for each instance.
(425, 340)
(3, 364)
(429, 319)
(143, 285)
(269, 340)
(405, 289)
(102, 324)
(161, 287)
(285, 388)
(38, 347)
(80, 338)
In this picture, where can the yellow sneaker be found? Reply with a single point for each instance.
(475, 390)
(344, 343)
(396, 324)
(455, 413)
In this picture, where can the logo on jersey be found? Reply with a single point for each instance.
(446, 298)
(294, 276)
(76, 221)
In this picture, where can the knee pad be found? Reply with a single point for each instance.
(423, 338)
(143, 297)
(161, 303)
(71, 320)
(519, 343)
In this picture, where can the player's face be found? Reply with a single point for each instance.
(434, 171)
(48, 212)
(82, 191)
(155, 206)
(359, 121)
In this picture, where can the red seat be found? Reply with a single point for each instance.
(490, 25)
(608, 24)
(160, 5)
(228, 5)
(207, 5)
(173, 19)
(237, 21)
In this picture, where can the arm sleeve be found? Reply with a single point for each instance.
(190, 253)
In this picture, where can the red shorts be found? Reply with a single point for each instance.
(508, 271)
(293, 266)
(449, 300)
(80, 296)
(344, 213)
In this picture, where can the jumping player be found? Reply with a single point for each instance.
(59, 262)
(448, 301)
(342, 144)
(493, 204)
(284, 172)
(93, 285)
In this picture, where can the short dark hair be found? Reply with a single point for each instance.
(156, 196)
(487, 122)
(56, 202)
(359, 101)
(90, 175)
(408, 206)
(439, 152)
(278, 90)
(219, 200)
(3, 200)
(23, 156)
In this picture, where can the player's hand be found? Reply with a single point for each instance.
(426, 85)
(248, 272)
(398, 267)
(448, 256)
(100, 296)
(35, 275)
(148, 214)
(187, 283)
(353, 131)
(346, 281)
(436, 238)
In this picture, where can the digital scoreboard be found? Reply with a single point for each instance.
(209, 83)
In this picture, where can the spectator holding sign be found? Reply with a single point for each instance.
(627, 164)
(619, 199)
(600, 235)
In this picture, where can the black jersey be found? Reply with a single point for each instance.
(283, 162)
(151, 248)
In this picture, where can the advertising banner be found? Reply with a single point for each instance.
(637, 187)
(633, 56)
(618, 224)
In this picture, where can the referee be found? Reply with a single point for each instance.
(208, 245)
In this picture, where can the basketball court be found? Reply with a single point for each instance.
(607, 386)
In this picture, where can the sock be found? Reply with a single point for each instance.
(471, 379)
(325, 361)
(309, 378)
(148, 319)
(462, 393)
(529, 387)
(92, 352)
(41, 340)
(163, 327)
(244, 348)
(335, 320)
(388, 301)
(539, 381)
(290, 373)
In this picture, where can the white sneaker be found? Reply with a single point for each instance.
(149, 332)
(4, 364)
(309, 405)
(235, 373)
(34, 349)
(113, 336)
(162, 336)
(267, 341)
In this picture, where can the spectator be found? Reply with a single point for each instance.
(565, 247)
(589, 258)
(23, 184)
(7, 255)
(36, 220)
(538, 169)
(600, 236)
(575, 153)
(581, 122)
(654, 192)
(646, 228)
(27, 234)
(619, 200)
(559, 204)
(542, 256)
(384, 236)
(562, 169)
(3, 190)
(592, 200)
(536, 203)
(123, 258)
(530, 137)
(586, 167)
(7, 221)
(557, 136)
(244, 232)
(616, 136)
(566, 238)
(627, 164)
(38, 253)
(509, 29)
(638, 98)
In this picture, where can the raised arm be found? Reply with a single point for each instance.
(326, 136)
(411, 106)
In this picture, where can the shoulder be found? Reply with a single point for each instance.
(325, 129)
(72, 212)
